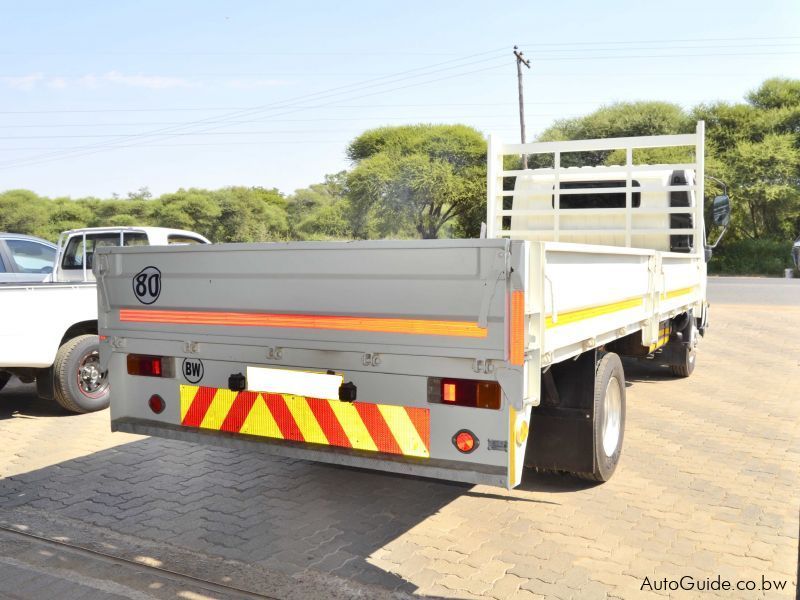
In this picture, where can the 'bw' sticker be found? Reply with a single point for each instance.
(147, 285)
(192, 369)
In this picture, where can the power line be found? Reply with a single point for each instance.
(421, 71)
(166, 132)
(172, 131)
(661, 41)
(394, 105)
(449, 117)
(382, 51)
(549, 50)
(693, 55)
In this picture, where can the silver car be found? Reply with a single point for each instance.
(24, 258)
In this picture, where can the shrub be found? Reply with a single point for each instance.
(752, 257)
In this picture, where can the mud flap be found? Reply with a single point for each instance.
(562, 426)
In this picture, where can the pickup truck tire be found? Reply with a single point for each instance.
(4, 378)
(78, 385)
(609, 417)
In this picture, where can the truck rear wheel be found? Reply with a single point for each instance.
(686, 353)
(79, 385)
(608, 428)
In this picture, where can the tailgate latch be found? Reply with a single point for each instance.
(237, 382)
(348, 392)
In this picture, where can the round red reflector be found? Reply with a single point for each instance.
(465, 441)
(157, 403)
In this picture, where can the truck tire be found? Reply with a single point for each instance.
(686, 354)
(4, 378)
(78, 385)
(608, 428)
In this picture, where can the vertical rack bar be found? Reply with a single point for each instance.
(699, 186)
(557, 195)
(494, 222)
(628, 195)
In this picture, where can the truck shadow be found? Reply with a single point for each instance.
(19, 400)
(644, 371)
(274, 517)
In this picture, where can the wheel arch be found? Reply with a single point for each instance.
(81, 328)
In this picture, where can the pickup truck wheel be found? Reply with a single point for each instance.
(4, 378)
(609, 417)
(79, 385)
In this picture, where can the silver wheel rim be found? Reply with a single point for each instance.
(612, 421)
(91, 380)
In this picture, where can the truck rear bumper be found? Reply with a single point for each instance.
(433, 468)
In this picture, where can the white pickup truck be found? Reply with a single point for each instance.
(457, 359)
(49, 330)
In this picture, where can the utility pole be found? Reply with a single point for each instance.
(521, 60)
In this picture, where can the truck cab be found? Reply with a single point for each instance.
(76, 247)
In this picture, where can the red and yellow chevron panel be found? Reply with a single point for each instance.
(403, 430)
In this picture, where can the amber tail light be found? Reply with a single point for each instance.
(470, 392)
(149, 366)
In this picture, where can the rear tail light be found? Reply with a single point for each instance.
(465, 441)
(467, 392)
(149, 366)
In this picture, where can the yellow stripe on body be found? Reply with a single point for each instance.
(680, 292)
(353, 426)
(260, 421)
(187, 396)
(305, 419)
(403, 430)
(573, 316)
(219, 409)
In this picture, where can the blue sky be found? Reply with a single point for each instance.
(105, 97)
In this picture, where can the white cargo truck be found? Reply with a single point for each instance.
(464, 360)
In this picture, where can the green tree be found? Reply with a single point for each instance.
(192, 209)
(321, 210)
(250, 215)
(22, 211)
(622, 119)
(755, 148)
(415, 180)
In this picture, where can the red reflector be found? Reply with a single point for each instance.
(156, 403)
(465, 441)
(449, 392)
(149, 366)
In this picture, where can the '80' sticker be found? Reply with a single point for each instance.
(147, 285)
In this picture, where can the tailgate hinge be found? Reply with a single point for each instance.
(496, 273)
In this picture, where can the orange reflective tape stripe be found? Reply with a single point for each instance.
(339, 323)
(387, 428)
(517, 329)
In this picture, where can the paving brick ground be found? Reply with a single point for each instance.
(709, 485)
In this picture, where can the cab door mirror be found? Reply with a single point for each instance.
(721, 211)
